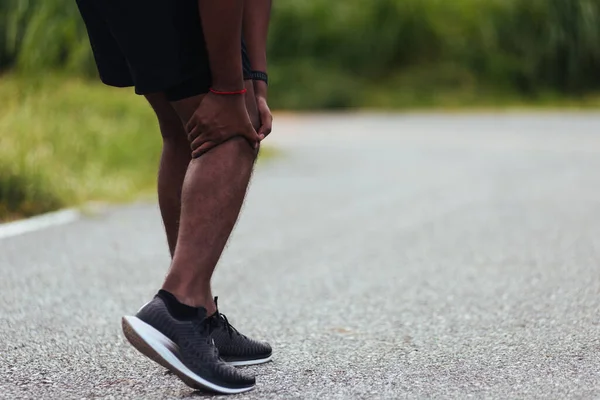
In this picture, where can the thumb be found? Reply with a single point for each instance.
(266, 124)
(260, 134)
(253, 136)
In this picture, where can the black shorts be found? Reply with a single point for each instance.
(154, 45)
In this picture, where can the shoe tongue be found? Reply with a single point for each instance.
(202, 313)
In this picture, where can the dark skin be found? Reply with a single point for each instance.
(218, 119)
(176, 156)
(176, 153)
(257, 14)
(221, 117)
(203, 128)
(207, 197)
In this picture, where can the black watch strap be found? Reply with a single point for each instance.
(260, 76)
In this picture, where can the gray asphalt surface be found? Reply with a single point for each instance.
(417, 256)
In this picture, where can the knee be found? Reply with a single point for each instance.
(171, 127)
(172, 130)
(236, 146)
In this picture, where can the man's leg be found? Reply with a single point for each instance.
(175, 158)
(174, 161)
(213, 192)
(239, 350)
(211, 201)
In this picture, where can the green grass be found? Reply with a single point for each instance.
(67, 142)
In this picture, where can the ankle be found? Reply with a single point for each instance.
(196, 298)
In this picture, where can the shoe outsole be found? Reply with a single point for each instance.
(154, 345)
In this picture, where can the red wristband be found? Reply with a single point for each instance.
(228, 93)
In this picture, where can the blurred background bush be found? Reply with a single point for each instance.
(322, 55)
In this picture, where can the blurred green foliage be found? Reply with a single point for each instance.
(70, 141)
(326, 54)
(65, 142)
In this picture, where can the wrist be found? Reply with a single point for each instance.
(228, 84)
(228, 92)
(260, 89)
(260, 75)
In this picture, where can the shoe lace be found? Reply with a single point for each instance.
(219, 318)
(230, 328)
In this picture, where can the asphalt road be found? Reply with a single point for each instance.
(417, 256)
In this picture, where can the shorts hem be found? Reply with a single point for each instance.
(116, 83)
(188, 86)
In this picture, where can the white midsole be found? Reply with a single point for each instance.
(250, 362)
(168, 351)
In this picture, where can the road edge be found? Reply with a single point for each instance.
(39, 222)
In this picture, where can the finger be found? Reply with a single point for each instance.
(193, 134)
(191, 124)
(196, 143)
(264, 130)
(205, 137)
(203, 148)
(267, 123)
(252, 136)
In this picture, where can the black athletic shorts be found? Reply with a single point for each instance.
(153, 45)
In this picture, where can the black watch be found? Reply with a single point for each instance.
(259, 76)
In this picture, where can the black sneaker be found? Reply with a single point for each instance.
(184, 347)
(234, 347)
